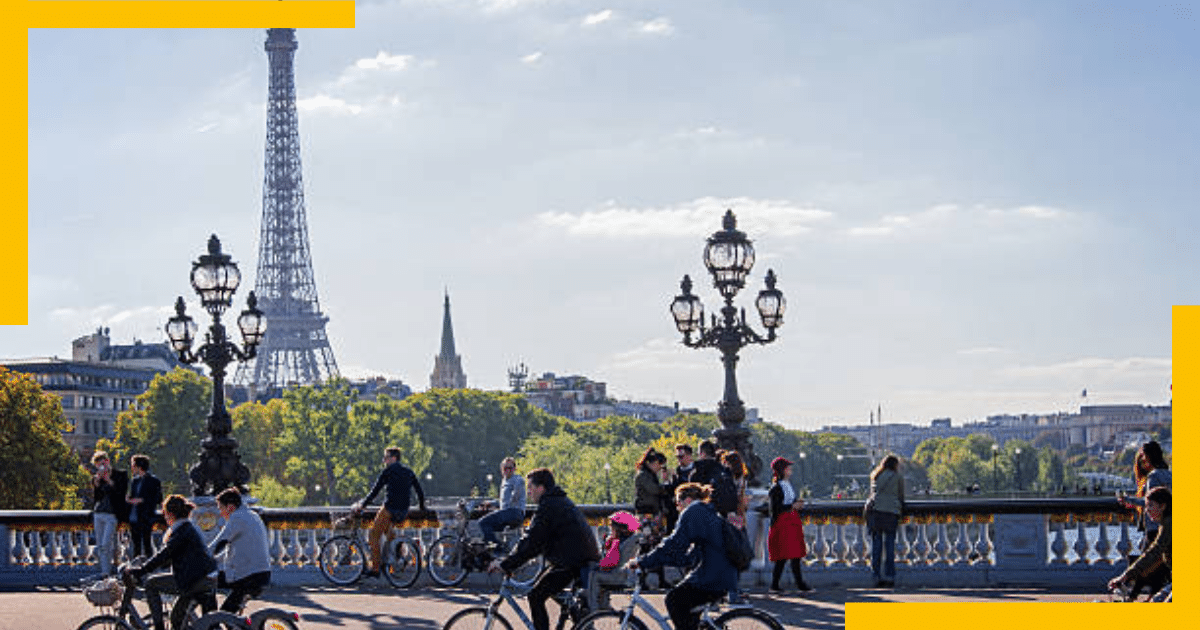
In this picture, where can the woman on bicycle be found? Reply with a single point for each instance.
(1158, 507)
(700, 530)
(191, 565)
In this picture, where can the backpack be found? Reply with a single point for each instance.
(724, 493)
(738, 550)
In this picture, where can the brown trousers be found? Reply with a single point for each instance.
(380, 527)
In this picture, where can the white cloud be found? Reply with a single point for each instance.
(207, 128)
(688, 219)
(657, 26)
(326, 102)
(657, 355)
(983, 351)
(385, 61)
(592, 19)
(1093, 368)
(952, 217)
(532, 58)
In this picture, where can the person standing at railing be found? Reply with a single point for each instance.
(108, 508)
(785, 542)
(887, 503)
(1150, 471)
(1158, 556)
(399, 480)
(511, 512)
(145, 495)
(652, 495)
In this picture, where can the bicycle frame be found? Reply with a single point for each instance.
(636, 601)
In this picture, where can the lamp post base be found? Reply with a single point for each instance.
(220, 467)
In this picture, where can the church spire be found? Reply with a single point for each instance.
(447, 365)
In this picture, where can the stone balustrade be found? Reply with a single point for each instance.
(1066, 541)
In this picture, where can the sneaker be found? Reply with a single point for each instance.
(803, 587)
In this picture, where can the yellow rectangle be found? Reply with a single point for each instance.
(191, 14)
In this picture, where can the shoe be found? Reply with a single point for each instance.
(371, 574)
(775, 588)
(889, 584)
(804, 588)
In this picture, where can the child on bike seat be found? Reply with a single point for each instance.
(620, 546)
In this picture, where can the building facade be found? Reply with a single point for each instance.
(99, 382)
(447, 365)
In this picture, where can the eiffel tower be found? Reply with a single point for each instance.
(295, 349)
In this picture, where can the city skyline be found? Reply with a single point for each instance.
(971, 210)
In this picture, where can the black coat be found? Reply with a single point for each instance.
(559, 532)
(705, 471)
(775, 494)
(187, 554)
(116, 494)
(150, 492)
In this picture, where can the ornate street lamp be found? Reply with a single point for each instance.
(1017, 463)
(995, 470)
(729, 256)
(215, 278)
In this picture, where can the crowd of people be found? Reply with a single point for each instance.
(679, 522)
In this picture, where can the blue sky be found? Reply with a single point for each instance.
(972, 208)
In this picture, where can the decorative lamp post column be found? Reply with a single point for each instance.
(729, 256)
(215, 278)
(840, 476)
(995, 469)
(803, 457)
(1017, 465)
(607, 487)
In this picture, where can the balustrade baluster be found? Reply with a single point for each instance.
(942, 547)
(983, 544)
(62, 547)
(1059, 546)
(863, 553)
(276, 547)
(295, 553)
(822, 547)
(1081, 544)
(1103, 546)
(310, 549)
(923, 546)
(1124, 544)
(961, 546)
(841, 548)
(905, 549)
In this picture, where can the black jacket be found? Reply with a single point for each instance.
(559, 532)
(187, 554)
(775, 494)
(116, 494)
(705, 471)
(398, 479)
(150, 492)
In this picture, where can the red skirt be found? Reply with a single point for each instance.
(786, 540)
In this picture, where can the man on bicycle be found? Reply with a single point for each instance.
(698, 529)
(398, 479)
(512, 503)
(561, 534)
(247, 550)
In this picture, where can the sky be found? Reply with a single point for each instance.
(972, 208)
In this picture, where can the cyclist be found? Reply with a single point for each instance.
(398, 479)
(193, 570)
(700, 530)
(512, 503)
(247, 551)
(561, 534)
(1158, 507)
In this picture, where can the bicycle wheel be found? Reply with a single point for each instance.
(747, 619)
(403, 565)
(275, 622)
(528, 572)
(609, 620)
(446, 561)
(104, 622)
(342, 560)
(219, 620)
(476, 618)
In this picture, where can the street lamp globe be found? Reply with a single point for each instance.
(252, 322)
(181, 329)
(687, 309)
(771, 304)
(215, 277)
(729, 256)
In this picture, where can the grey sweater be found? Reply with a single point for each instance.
(248, 550)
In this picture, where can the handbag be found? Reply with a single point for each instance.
(869, 513)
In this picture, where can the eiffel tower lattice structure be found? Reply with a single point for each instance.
(295, 349)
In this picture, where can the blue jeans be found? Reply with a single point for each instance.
(491, 523)
(105, 526)
(883, 538)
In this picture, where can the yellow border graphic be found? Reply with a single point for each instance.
(14, 46)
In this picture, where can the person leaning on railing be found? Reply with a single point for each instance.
(1158, 507)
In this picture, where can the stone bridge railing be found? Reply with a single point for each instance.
(950, 543)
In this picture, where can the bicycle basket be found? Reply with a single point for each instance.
(105, 592)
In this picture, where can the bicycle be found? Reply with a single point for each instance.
(570, 603)
(263, 619)
(114, 597)
(740, 618)
(453, 556)
(342, 559)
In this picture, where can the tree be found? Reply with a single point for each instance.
(316, 438)
(39, 471)
(257, 427)
(167, 424)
